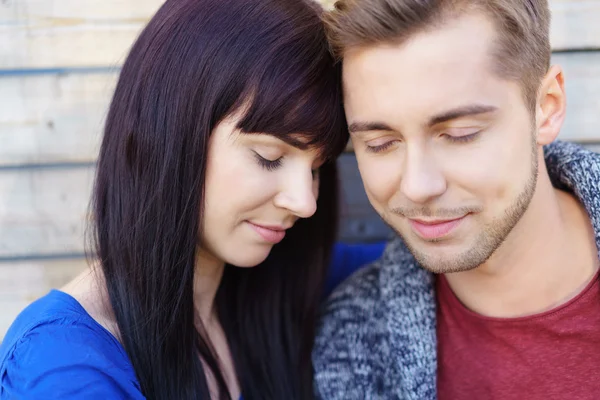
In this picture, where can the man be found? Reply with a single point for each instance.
(491, 290)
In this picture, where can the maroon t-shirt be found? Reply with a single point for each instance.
(553, 355)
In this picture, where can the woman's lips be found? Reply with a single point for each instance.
(269, 234)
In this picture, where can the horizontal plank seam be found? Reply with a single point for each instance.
(42, 257)
(117, 68)
(593, 49)
(4, 73)
(49, 165)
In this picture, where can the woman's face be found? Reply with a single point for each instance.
(257, 186)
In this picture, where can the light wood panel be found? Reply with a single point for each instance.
(582, 84)
(575, 24)
(43, 211)
(52, 118)
(51, 33)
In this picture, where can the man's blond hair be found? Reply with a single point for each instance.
(522, 52)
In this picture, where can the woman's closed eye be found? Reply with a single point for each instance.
(273, 162)
(268, 164)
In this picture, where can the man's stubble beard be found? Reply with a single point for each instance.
(488, 241)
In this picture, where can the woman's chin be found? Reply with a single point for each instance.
(249, 259)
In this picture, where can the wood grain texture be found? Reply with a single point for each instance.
(53, 118)
(582, 84)
(575, 24)
(43, 211)
(50, 33)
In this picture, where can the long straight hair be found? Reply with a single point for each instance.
(197, 62)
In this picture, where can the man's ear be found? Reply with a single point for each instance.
(551, 106)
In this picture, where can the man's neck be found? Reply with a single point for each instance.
(546, 260)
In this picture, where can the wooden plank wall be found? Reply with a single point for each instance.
(59, 62)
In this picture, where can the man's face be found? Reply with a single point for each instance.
(445, 147)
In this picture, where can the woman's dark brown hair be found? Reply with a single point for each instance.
(197, 62)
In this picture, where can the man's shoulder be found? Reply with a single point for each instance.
(561, 152)
(573, 167)
(352, 311)
(577, 170)
(361, 322)
(351, 324)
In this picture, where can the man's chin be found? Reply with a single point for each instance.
(446, 255)
(449, 267)
(443, 258)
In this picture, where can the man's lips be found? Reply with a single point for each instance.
(435, 229)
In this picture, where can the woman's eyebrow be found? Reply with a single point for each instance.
(292, 140)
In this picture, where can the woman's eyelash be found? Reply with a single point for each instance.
(269, 165)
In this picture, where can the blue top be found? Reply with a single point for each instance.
(56, 350)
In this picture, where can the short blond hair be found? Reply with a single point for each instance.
(522, 52)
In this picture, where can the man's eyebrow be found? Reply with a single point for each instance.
(356, 127)
(465, 111)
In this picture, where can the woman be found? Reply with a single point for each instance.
(214, 212)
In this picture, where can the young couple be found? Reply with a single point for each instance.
(215, 212)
